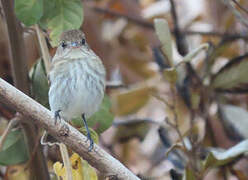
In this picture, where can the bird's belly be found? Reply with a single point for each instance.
(75, 94)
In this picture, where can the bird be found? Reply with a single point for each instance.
(77, 79)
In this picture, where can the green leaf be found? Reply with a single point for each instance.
(171, 75)
(129, 129)
(193, 53)
(49, 6)
(93, 134)
(101, 120)
(188, 174)
(14, 150)
(65, 15)
(233, 75)
(89, 173)
(163, 32)
(218, 157)
(39, 83)
(29, 11)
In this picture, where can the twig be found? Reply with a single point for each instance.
(44, 48)
(236, 12)
(146, 24)
(241, 7)
(11, 124)
(114, 84)
(182, 45)
(98, 158)
(66, 160)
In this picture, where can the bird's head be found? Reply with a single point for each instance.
(72, 39)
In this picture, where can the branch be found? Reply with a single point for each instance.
(44, 49)
(182, 45)
(148, 25)
(236, 13)
(241, 7)
(63, 132)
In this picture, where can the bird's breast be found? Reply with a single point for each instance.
(77, 87)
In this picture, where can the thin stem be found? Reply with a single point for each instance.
(241, 7)
(11, 124)
(148, 25)
(236, 13)
(66, 160)
(44, 49)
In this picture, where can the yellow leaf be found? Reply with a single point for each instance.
(17, 172)
(137, 96)
(170, 74)
(81, 170)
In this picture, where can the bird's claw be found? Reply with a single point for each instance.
(57, 116)
(91, 142)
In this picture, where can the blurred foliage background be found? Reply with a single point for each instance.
(177, 84)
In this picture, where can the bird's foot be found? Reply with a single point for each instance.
(91, 142)
(88, 134)
(57, 116)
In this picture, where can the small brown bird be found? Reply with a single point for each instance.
(77, 80)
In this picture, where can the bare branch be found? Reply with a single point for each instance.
(44, 49)
(240, 6)
(236, 12)
(98, 158)
(146, 24)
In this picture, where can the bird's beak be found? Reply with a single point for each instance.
(75, 45)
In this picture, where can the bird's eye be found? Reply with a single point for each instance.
(83, 41)
(63, 44)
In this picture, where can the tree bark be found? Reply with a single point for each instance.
(64, 133)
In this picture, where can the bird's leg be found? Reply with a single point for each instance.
(57, 116)
(88, 133)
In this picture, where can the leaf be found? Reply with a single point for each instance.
(170, 74)
(239, 174)
(219, 158)
(236, 117)
(29, 11)
(129, 129)
(65, 15)
(131, 100)
(101, 120)
(233, 75)
(81, 170)
(89, 173)
(93, 134)
(163, 32)
(137, 64)
(14, 150)
(17, 172)
(48, 8)
(193, 53)
(39, 83)
(188, 174)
